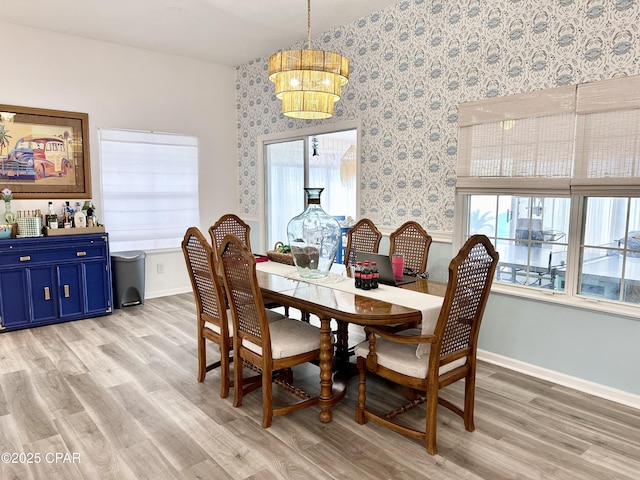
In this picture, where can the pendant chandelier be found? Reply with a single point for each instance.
(308, 81)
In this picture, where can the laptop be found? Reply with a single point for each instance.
(385, 271)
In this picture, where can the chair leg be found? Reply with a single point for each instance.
(362, 391)
(267, 397)
(469, 401)
(413, 394)
(342, 343)
(224, 371)
(202, 358)
(238, 387)
(289, 375)
(432, 419)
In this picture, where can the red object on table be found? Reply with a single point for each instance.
(397, 262)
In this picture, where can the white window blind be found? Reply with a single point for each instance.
(149, 188)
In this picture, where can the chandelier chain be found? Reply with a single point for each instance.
(309, 24)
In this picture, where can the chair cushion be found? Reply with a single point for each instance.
(273, 316)
(401, 357)
(288, 338)
(215, 328)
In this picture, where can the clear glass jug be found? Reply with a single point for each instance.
(313, 236)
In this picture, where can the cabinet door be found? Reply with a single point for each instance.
(97, 287)
(14, 299)
(43, 294)
(70, 290)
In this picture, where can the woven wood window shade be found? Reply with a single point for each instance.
(608, 141)
(517, 144)
(582, 139)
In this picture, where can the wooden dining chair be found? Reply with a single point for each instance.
(362, 237)
(213, 321)
(428, 361)
(270, 348)
(232, 224)
(413, 242)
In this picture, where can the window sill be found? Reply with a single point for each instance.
(560, 298)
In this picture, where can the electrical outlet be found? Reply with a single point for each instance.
(160, 267)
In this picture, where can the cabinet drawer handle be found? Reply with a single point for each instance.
(66, 291)
(47, 295)
(81, 254)
(25, 259)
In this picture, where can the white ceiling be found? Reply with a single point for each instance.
(228, 32)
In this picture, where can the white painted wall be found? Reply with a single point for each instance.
(123, 87)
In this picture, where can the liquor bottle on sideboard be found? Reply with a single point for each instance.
(67, 215)
(52, 218)
(91, 222)
(79, 218)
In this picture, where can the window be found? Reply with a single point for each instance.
(530, 233)
(610, 254)
(149, 188)
(284, 179)
(553, 178)
(324, 160)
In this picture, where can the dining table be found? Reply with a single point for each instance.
(335, 297)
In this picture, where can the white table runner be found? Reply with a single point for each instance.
(429, 305)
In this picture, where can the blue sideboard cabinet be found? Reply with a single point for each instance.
(46, 280)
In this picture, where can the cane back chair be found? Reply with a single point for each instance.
(442, 357)
(213, 321)
(269, 348)
(362, 237)
(232, 224)
(413, 242)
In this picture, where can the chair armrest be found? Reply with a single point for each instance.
(395, 337)
(373, 332)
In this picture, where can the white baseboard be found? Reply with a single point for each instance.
(592, 388)
(166, 293)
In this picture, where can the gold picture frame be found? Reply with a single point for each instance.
(44, 153)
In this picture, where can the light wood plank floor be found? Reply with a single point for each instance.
(119, 395)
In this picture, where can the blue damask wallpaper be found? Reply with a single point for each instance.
(413, 63)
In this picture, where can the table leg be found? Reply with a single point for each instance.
(342, 343)
(326, 382)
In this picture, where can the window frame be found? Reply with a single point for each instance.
(569, 297)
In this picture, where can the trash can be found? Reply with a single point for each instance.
(127, 269)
